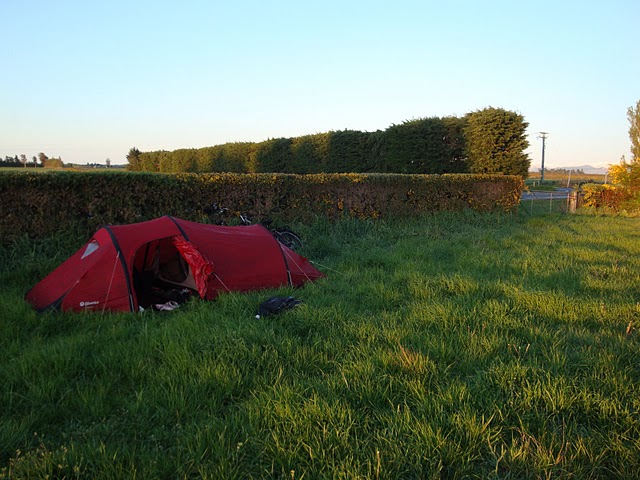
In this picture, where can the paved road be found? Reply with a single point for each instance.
(559, 193)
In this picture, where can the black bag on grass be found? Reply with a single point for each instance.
(276, 305)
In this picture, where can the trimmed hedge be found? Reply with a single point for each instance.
(491, 140)
(43, 203)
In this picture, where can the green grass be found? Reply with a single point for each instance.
(548, 185)
(456, 346)
(19, 169)
(528, 208)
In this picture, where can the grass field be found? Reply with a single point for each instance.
(76, 168)
(456, 346)
(562, 179)
(542, 207)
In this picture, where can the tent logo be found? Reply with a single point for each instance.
(88, 304)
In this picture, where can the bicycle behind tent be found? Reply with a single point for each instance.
(284, 235)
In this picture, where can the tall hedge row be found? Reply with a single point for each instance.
(496, 141)
(43, 203)
(491, 140)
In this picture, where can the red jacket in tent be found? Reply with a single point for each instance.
(122, 265)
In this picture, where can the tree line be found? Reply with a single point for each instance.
(492, 140)
(39, 161)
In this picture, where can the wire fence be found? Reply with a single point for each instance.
(539, 203)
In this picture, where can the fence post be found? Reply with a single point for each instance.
(573, 202)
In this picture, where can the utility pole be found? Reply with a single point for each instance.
(543, 136)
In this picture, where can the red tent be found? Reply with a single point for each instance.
(122, 266)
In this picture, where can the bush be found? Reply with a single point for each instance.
(41, 204)
(612, 197)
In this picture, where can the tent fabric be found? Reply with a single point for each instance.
(117, 265)
(200, 268)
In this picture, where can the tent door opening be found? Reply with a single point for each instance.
(161, 274)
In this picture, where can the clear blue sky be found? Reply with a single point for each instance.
(89, 80)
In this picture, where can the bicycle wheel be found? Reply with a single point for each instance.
(288, 239)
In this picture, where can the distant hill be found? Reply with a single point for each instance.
(589, 169)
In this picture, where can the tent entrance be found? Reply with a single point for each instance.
(162, 274)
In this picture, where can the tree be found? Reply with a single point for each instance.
(54, 162)
(426, 145)
(633, 114)
(23, 160)
(108, 162)
(133, 157)
(9, 161)
(496, 142)
(627, 174)
(43, 158)
(35, 161)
